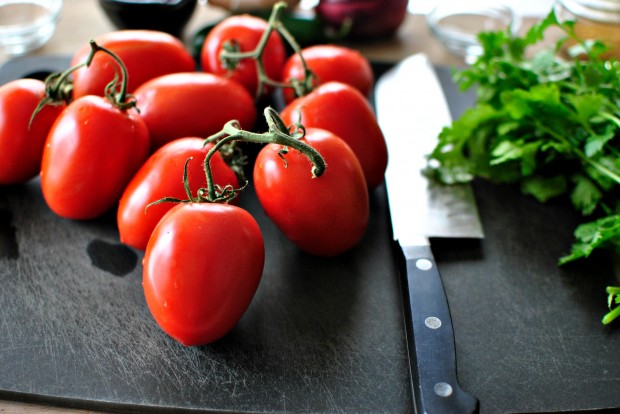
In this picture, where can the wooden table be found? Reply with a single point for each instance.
(82, 20)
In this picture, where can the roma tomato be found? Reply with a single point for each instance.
(91, 153)
(145, 53)
(343, 110)
(324, 216)
(21, 144)
(245, 32)
(201, 269)
(160, 177)
(330, 63)
(192, 104)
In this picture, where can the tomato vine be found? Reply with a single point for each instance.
(58, 85)
(122, 99)
(277, 133)
(230, 56)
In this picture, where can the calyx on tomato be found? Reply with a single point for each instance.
(58, 90)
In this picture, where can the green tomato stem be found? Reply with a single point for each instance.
(212, 194)
(58, 89)
(231, 56)
(278, 133)
(306, 85)
(120, 100)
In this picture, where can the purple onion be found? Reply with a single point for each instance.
(370, 18)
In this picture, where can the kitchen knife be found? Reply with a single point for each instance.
(412, 110)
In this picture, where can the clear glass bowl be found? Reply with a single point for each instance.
(27, 25)
(456, 24)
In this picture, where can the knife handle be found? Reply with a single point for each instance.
(430, 338)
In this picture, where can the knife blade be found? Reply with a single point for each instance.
(411, 111)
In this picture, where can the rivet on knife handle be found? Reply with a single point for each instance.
(431, 339)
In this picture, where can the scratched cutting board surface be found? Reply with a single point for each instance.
(321, 335)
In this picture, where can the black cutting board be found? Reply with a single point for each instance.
(321, 335)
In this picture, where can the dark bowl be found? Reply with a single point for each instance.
(169, 16)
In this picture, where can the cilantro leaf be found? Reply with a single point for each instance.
(613, 302)
(544, 188)
(592, 235)
(585, 195)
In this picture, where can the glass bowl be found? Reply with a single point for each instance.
(27, 25)
(456, 24)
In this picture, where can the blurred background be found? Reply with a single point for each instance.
(23, 21)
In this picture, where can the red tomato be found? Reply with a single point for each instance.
(160, 177)
(330, 63)
(324, 216)
(146, 54)
(21, 145)
(341, 109)
(91, 153)
(246, 31)
(192, 104)
(202, 267)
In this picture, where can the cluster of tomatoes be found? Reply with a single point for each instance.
(135, 130)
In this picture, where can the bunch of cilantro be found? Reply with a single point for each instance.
(548, 124)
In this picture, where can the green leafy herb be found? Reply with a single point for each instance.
(548, 124)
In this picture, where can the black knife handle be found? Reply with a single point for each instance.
(430, 338)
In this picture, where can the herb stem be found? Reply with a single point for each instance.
(610, 117)
(596, 165)
(611, 315)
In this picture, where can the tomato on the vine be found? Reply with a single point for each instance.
(343, 110)
(159, 178)
(192, 104)
(324, 216)
(329, 63)
(91, 153)
(243, 33)
(21, 143)
(146, 54)
(202, 267)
